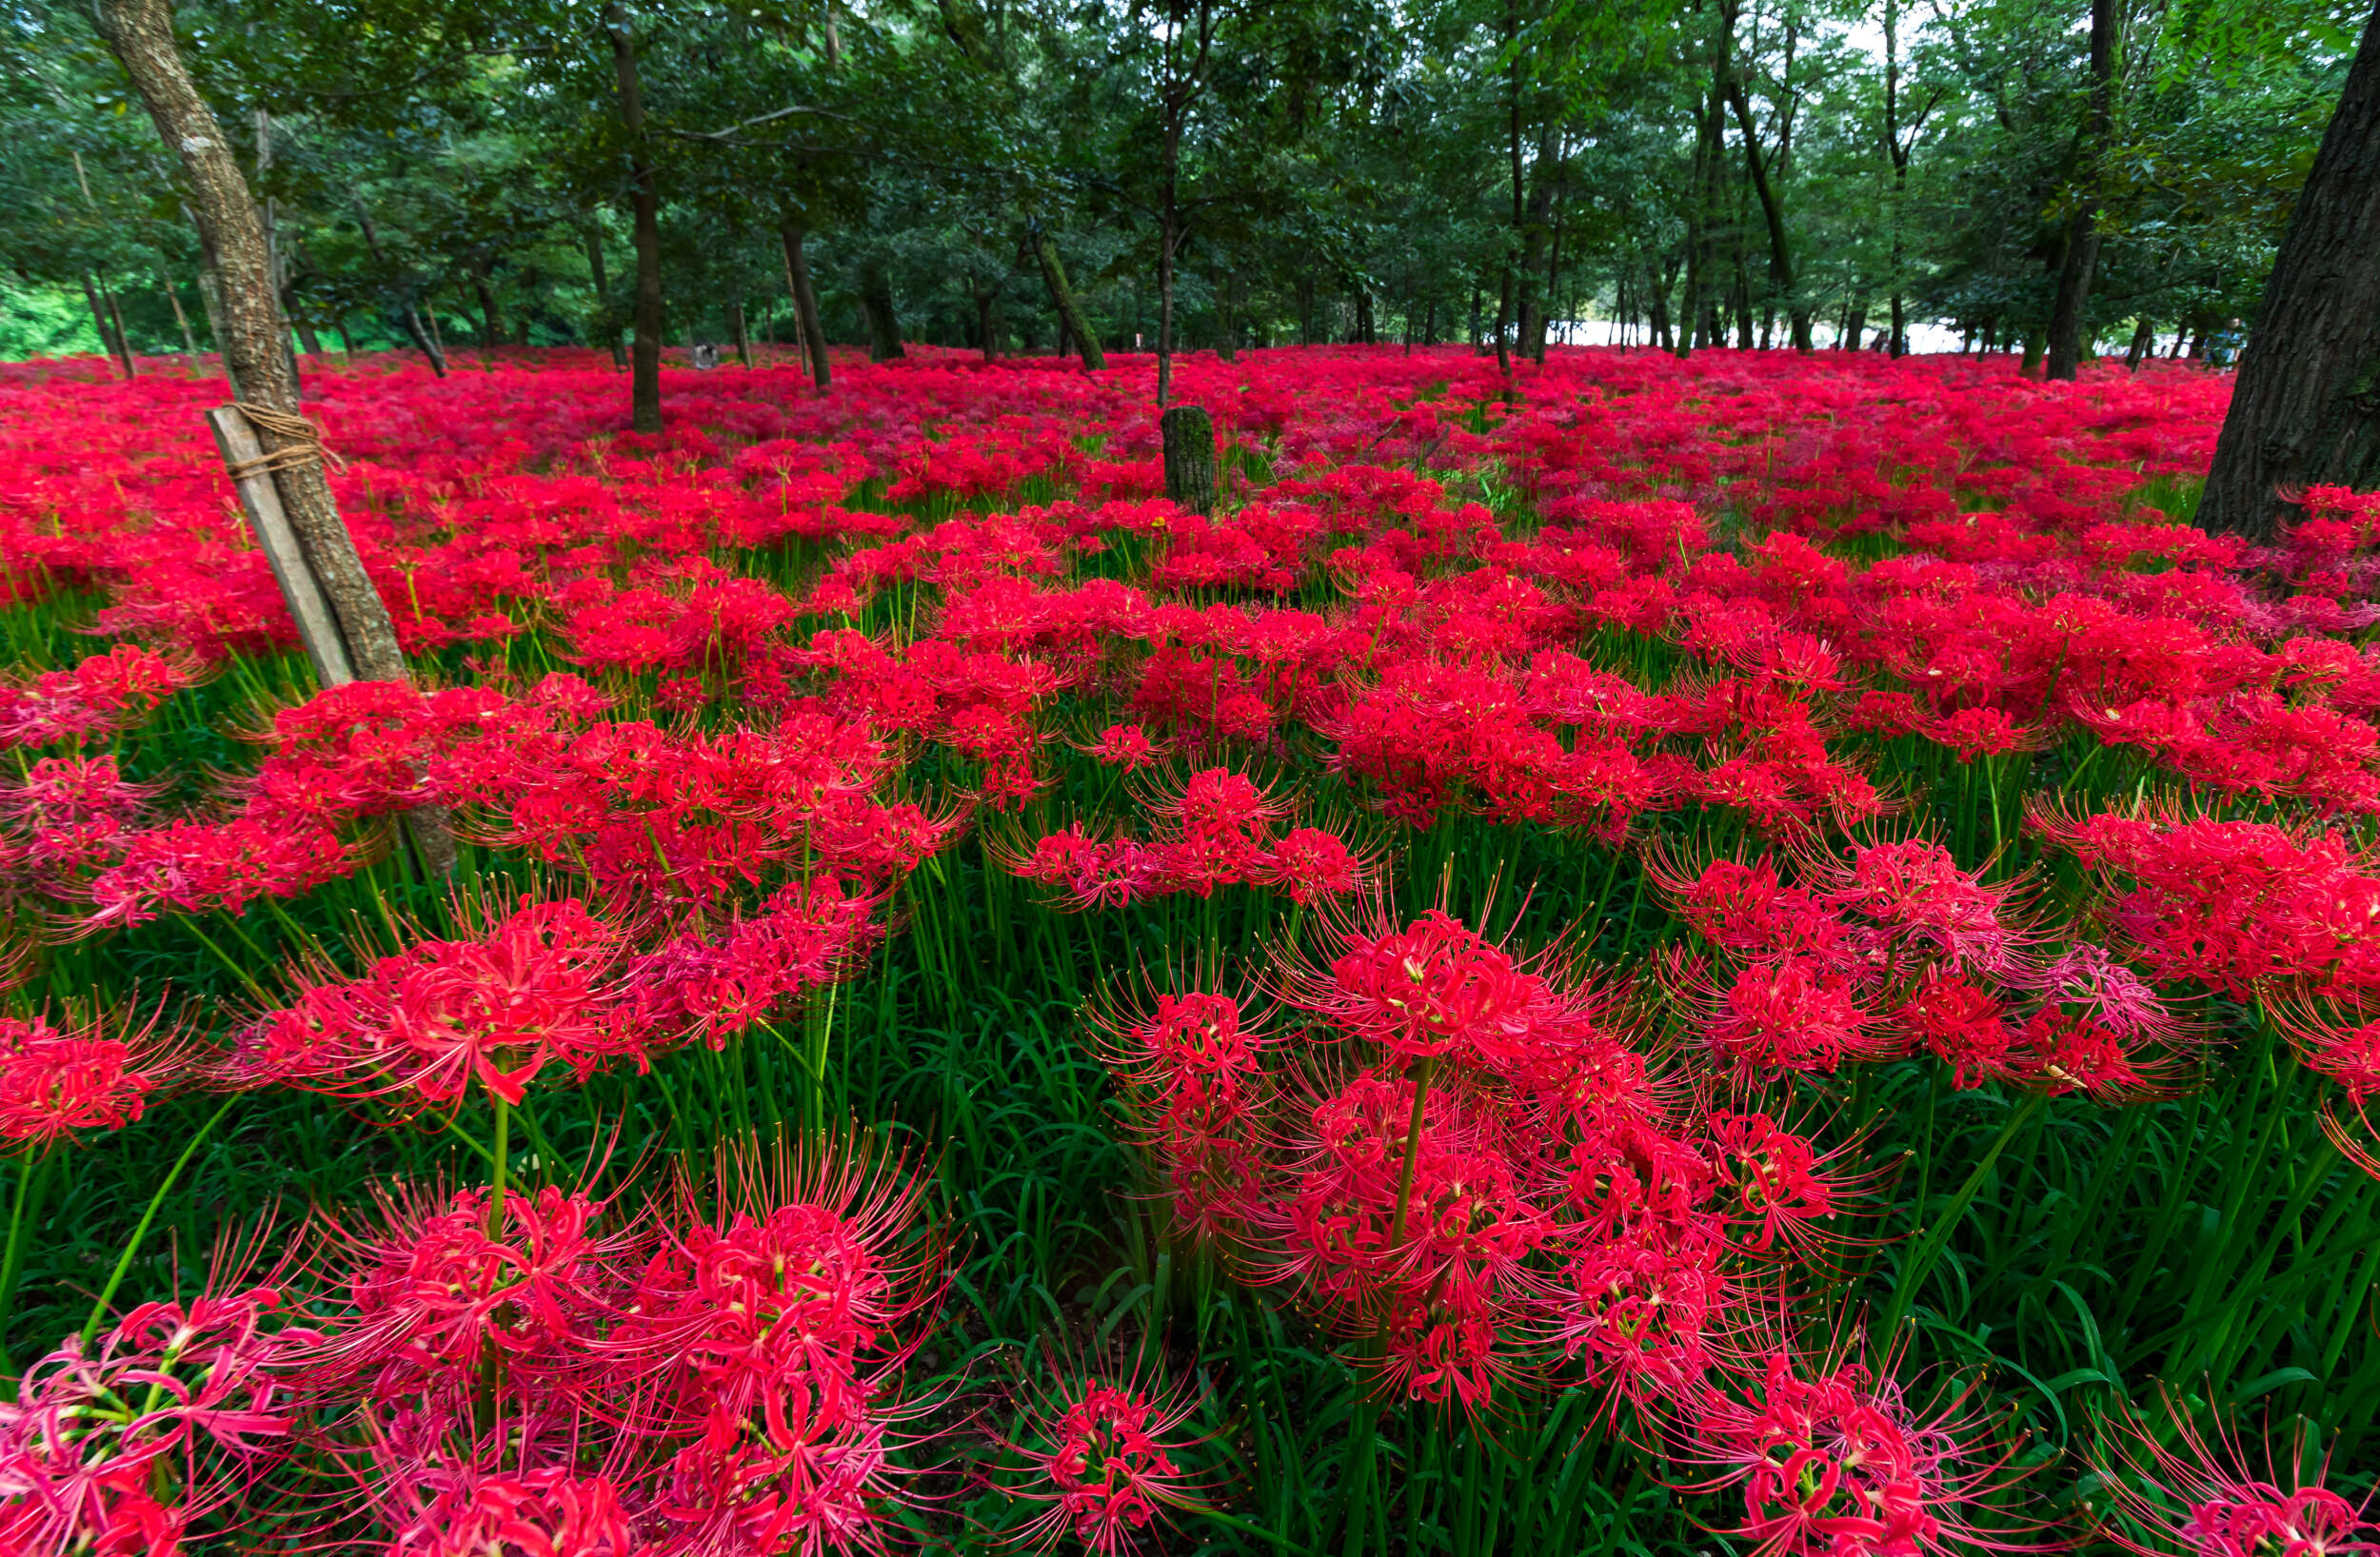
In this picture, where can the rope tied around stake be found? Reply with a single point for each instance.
(305, 446)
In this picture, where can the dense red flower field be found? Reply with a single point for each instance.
(1523, 818)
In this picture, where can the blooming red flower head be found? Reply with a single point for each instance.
(1125, 747)
(1833, 1461)
(2208, 1496)
(54, 1081)
(1311, 864)
(427, 1024)
(1433, 988)
(1104, 1457)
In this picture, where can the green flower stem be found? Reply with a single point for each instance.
(124, 1262)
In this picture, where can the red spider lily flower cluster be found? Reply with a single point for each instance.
(546, 1374)
(123, 1447)
(1881, 950)
(57, 1082)
(1483, 1181)
(674, 1381)
(2184, 1490)
(1833, 1461)
(2285, 915)
(536, 988)
(1216, 828)
(1104, 1456)
(101, 695)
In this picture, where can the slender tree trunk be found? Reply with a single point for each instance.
(116, 315)
(410, 316)
(2082, 234)
(644, 208)
(1062, 298)
(491, 324)
(254, 342)
(743, 334)
(1781, 277)
(884, 322)
(598, 273)
(805, 304)
(190, 337)
(109, 345)
(1514, 299)
(2144, 343)
(2306, 404)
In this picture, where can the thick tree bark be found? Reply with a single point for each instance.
(1188, 434)
(2082, 237)
(805, 305)
(1062, 297)
(644, 208)
(2305, 407)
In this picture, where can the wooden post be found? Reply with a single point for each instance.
(318, 628)
(1189, 435)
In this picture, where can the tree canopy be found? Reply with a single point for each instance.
(444, 175)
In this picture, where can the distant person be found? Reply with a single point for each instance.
(2223, 345)
(705, 356)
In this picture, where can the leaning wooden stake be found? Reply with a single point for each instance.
(318, 629)
(1189, 434)
(251, 469)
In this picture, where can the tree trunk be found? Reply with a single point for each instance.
(107, 345)
(883, 324)
(1781, 276)
(2144, 343)
(805, 304)
(409, 315)
(743, 334)
(1529, 317)
(1514, 305)
(2306, 405)
(1188, 433)
(1166, 236)
(2082, 235)
(644, 208)
(190, 337)
(254, 342)
(600, 275)
(1062, 297)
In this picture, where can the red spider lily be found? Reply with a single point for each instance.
(55, 1081)
(1105, 1457)
(1833, 1459)
(2204, 1495)
(535, 988)
(434, 1297)
(773, 1331)
(1126, 747)
(106, 692)
(1433, 988)
(440, 1511)
(1311, 866)
(167, 1422)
